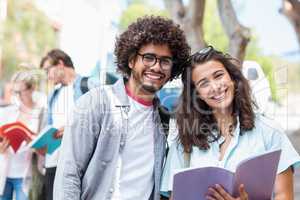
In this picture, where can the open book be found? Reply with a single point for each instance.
(46, 139)
(257, 174)
(16, 133)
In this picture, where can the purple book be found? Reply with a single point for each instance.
(257, 174)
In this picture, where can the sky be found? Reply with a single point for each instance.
(275, 33)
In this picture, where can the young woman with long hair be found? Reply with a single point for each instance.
(218, 126)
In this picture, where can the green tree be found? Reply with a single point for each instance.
(139, 8)
(26, 36)
(214, 34)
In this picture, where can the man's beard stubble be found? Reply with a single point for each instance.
(148, 88)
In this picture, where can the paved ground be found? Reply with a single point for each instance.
(295, 139)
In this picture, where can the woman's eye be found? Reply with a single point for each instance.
(219, 75)
(203, 84)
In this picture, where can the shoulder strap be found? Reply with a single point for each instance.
(84, 85)
(164, 118)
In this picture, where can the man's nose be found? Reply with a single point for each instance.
(157, 66)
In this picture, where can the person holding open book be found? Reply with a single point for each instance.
(16, 167)
(218, 127)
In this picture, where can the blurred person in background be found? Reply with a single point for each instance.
(68, 87)
(16, 168)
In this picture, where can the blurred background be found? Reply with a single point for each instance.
(263, 34)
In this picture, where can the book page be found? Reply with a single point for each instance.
(258, 175)
(193, 184)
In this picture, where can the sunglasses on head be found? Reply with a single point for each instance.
(204, 51)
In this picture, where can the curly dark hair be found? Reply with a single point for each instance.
(152, 30)
(195, 119)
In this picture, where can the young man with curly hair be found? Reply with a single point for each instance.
(115, 146)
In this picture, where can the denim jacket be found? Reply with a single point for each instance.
(92, 143)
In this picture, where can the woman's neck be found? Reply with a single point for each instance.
(27, 105)
(225, 122)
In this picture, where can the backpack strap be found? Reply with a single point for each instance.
(164, 118)
(84, 85)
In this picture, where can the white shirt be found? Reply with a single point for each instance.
(135, 178)
(19, 163)
(61, 110)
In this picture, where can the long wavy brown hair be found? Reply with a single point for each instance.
(195, 119)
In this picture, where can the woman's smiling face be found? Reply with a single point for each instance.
(213, 84)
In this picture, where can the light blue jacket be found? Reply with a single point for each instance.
(92, 143)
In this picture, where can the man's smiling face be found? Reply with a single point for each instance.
(149, 79)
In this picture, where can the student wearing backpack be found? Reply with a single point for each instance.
(115, 146)
(68, 87)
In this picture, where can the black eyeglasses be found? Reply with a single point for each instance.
(149, 60)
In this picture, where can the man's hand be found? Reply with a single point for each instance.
(59, 133)
(4, 144)
(218, 193)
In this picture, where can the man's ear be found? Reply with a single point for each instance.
(131, 61)
(60, 63)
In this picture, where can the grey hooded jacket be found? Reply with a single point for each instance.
(92, 143)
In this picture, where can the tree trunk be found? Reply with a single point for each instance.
(190, 20)
(291, 9)
(239, 35)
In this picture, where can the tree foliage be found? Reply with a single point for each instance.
(26, 36)
(137, 9)
(214, 34)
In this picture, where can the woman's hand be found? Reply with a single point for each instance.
(218, 193)
(4, 144)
